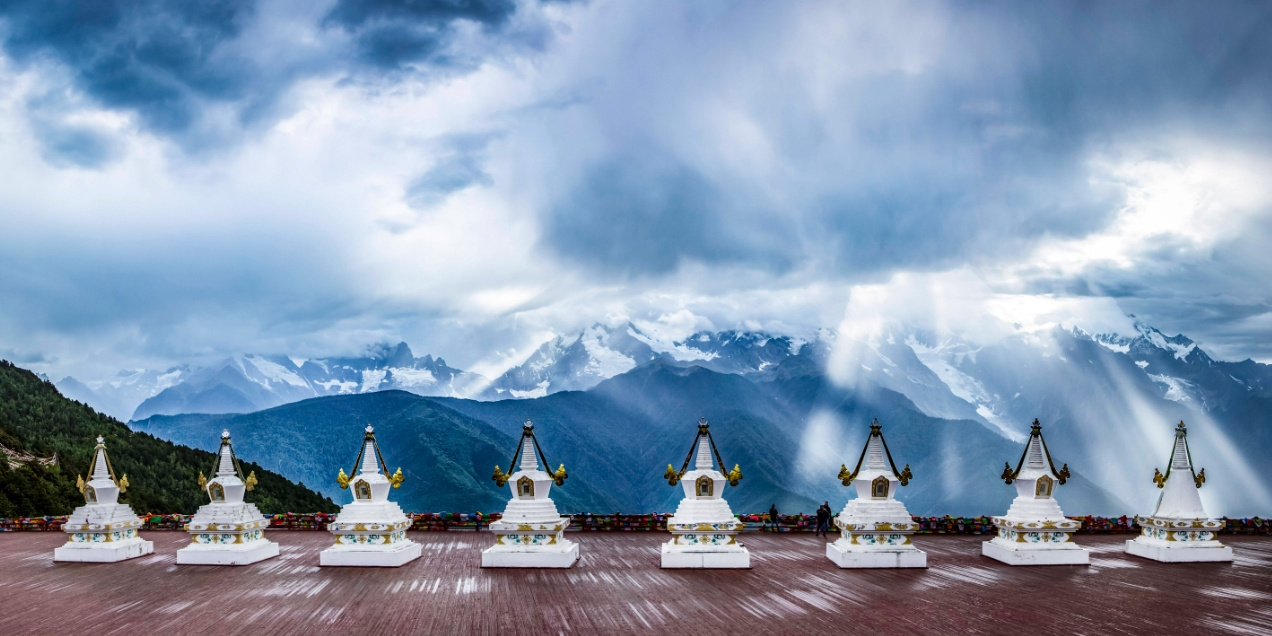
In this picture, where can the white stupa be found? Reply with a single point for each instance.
(1035, 531)
(703, 529)
(371, 531)
(875, 528)
(531, 533)
(227, 531)
(1179, 531)
(102, 530)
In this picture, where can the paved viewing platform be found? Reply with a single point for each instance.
(617, 587)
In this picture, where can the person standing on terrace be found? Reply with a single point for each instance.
(773, 517)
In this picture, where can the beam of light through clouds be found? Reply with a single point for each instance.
(183, 182)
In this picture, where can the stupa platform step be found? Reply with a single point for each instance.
(1068, 555)
(912, 558)
(729, 560)
(396, 556)
(104, 552)
(1189, 554)
(496, 557)
(226, 555)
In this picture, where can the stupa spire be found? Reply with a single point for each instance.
(101, 469)
(370, 453)
(225, 467)
(1181, 459)
(528, 460)
(703, 459)
(874, 449)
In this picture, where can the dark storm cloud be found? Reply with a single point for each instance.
(393, 33)
(157, 58)
(170, 61)
(985, 146)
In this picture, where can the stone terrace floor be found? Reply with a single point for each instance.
(618, 588)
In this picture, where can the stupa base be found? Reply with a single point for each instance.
(1060, 555)
(907, 558)
(501, 557)
(672, 558)
(395, 555)
(1179, 554)
(103, 552)
(226, 554)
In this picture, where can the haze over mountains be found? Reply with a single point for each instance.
(248, 383)
(790, 412)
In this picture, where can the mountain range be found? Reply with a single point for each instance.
(244, 384)
(1107, 402)
(248, 383)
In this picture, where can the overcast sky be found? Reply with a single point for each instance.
(183, 181)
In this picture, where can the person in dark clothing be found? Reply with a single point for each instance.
(773, 517)
(823, 519)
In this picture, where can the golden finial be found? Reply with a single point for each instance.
(559, 476)
(203, 481)
(734, 475)
(1200, 478)
(251, 481)
(397, 478)
(123, 483)
(905, 475)
(1159, 478)
(500, 477)
(342, 479)
(671, 476)
(1008, 474)
(79, 483)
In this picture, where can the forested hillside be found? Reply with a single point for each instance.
(35, 419)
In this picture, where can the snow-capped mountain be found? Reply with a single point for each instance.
(581, 361)
(119, 396)
(1109, 400)
(253, 382)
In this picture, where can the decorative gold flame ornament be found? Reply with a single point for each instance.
(559, 476)
(250, 482)
(81, 484)
(500, 477)
(123, 483)
(1008, 475)
(1159, 478)
(397, 478)
(343, 480)
(905, 475)
(1200, 478)
(203, 481)
(734, 475)
(672, 476)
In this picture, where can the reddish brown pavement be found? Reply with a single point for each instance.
(618, 588)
